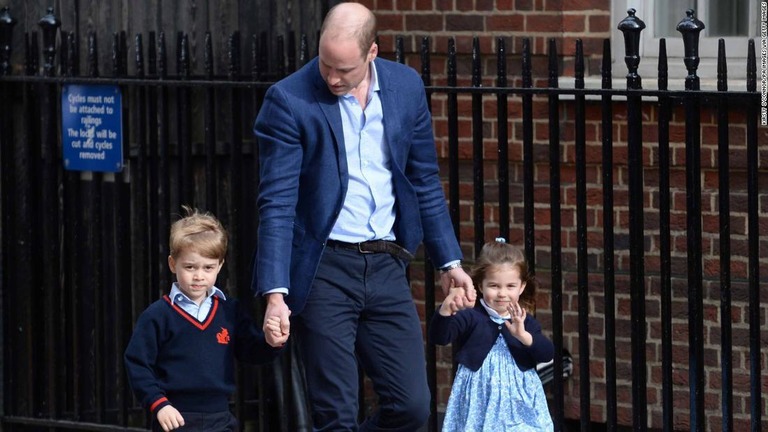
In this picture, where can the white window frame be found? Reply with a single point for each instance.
(735, 48)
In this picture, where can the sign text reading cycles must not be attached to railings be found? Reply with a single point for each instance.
(92, 128)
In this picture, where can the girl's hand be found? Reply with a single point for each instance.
(458, 278)
(516, 324)
(454, 301)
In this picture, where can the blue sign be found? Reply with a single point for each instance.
(92, 128)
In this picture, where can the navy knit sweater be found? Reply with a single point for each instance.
(173, 359)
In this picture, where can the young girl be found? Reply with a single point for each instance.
(498, 346)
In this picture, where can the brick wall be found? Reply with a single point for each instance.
(589, 20)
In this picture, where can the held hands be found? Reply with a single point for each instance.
(277, 326)
(169, 418)
(516, 324)
(273, 332)
(458, 279)
(453, 302)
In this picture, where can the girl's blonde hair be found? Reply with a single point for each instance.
(199, 232)
(498, 253)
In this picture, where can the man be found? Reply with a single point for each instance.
(349, 189)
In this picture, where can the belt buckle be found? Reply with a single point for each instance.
(360, 249)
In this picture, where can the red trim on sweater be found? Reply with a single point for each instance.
(158, 402)
(196, 323)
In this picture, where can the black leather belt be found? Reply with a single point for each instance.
(373, 246)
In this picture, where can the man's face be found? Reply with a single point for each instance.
(341, 64)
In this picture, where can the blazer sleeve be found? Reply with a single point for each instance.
(279, 144)
(422, 171)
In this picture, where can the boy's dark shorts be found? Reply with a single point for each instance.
(223, 421)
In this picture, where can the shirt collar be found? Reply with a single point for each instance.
(177, 296)
(495, 317)
(374, 87)
(374, 78)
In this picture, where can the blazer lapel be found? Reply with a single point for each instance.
(390, 102)
(329, 104)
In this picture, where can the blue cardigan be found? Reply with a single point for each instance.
(474, 334)
(173, 359)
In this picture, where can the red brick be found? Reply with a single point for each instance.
(384, 5)
(504, 5)
(484, 5)
(464, 22)
(523, 5)
(370, 4)
(552, 5)
(390, 22)
(574, 5)
(424, 23)
(543, 23)
(404, 5)
(423, 5)
(505, 23)
(573, 23)
(599, 23)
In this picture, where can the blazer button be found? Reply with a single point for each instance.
(499, 327)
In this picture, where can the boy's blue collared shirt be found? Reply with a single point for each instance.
(199, 312)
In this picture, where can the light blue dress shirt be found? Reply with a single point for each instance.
(200, 312)
(370, 195)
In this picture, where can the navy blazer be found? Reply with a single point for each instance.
(304, 175)
(474, 333)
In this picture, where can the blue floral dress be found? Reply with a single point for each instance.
(498, 397)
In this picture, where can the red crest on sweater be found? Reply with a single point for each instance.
(222, 337)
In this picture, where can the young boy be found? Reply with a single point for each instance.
(180, 359)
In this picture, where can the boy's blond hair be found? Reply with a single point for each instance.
(199, 232)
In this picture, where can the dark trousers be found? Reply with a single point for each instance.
(360, 308)
(204, 422)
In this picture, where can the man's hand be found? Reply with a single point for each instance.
(169, 418)
(453, 302)
(458, 278)
(277, 326)
(273, 332)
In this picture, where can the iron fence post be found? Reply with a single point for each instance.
(690, 27)
(49, 25)
(6, 37)
(631, 26)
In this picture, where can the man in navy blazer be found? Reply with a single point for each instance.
(349, 188)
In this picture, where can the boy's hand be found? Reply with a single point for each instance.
(454, 301)
(516, 323)
(273, 332)
(169, 418)
(278, 310)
